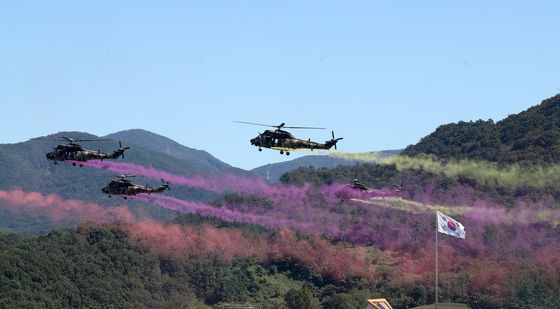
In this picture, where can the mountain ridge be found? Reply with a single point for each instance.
(24, 166)
(163, 144)
(531, 135)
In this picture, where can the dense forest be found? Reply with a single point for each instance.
(532, 135)
(109, 265)
(100, 266)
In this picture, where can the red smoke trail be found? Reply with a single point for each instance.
(59, 209)
(329, 260)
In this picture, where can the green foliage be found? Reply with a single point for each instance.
(374, 174)
(97, 266)
(532, 135)
(248, 230)
(302, 299)
(534, 288)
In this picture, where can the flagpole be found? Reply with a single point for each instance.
(437, 266)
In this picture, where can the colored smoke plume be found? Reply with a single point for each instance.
(221, 183)
(228, 182)
(479, 211)
(317, 211)
(224, 213)
(375, 157)
(59, 209)
(336, 261)
(512, 175)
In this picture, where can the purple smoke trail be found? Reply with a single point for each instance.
(225, 182)
(311, 210)
(224, 213)
(219, 183)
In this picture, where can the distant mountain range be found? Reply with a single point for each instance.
(23, 165)
(531, 136)
(200, 160)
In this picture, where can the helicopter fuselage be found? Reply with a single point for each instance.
(127, 188)
(77, 153)
(285, 141)
(360, 186)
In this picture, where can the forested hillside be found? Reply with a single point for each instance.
(532, 135)
(309, 241)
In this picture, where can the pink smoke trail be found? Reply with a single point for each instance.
(59, 209)
(330, 260)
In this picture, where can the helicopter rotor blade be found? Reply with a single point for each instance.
(256, 124)
(124, 176)
(307, 128)
(280, 126)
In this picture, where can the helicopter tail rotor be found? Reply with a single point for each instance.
(165, 185)
(334, 140)
(120, 151)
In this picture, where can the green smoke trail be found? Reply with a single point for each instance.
(398, 203)
(521, 215)
(483, 172)
(374, 156)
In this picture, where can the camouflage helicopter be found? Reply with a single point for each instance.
(74, 152)
(399, 187)
(124, 187)
(362, 187)
(359, 186)
(285, 142)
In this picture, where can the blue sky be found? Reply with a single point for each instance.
(380, 74)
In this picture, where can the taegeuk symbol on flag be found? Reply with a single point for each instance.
(450, 226)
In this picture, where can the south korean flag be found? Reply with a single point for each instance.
(450, 226)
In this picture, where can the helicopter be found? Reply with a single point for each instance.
(124, 187)
(75, 152)
(399, 187)
(362, 187)
(285, 142)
